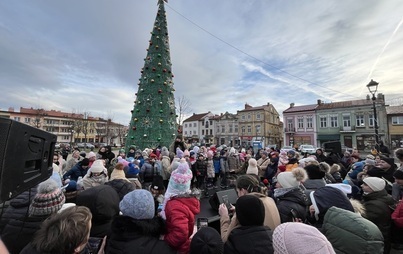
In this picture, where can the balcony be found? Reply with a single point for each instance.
(289, 130)
(347, 128)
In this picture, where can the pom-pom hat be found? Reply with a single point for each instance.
(292, 178)
(49, 199)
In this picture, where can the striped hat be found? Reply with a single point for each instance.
(48, 200)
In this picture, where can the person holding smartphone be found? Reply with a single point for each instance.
(248, 185)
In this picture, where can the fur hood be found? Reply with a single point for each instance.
(358, 207)
(334, 168)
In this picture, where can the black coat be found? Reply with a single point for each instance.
(18, 207)
(121, 186)
(19, 232)
(103, 201)
(255, 239)
(137, 236)
(293, 200)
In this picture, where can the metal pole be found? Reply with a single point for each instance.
(375, 123)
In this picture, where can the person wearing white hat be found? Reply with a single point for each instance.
(377, 202)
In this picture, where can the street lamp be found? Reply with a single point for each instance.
(373, 88)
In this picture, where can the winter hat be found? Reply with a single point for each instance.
(358, 166)
(295, 237)
(232, 150)
(83, 154)
(375, 183)
(370, 156)
(164, 151)
(398, 174)
(206, 241)
(250, 211)
(179, 153)
(179, 183)
(324, 198)
(98, 167)
(153, 155)
(345, 188)
(252, 167)
(91, 154)
(158, 183)
(138, 204)
(291, 152)
(292, 178)
(49, 199)
(196, 149)
(282, 168)
(370, 162)
(210, 154)
(85, 162)
(186, 153)
(390, 161)
(118, 172)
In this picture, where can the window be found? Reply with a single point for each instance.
(323, 121)
(249, 116)
(186, 125)
(211, 122)
(243, 129)
(236, 128)
(186, 133)
(223, 129)
(258, 116)
(218, 128)
(194, 124)
(243, 117)
(346, 121)
(230, 128)
(371, 120)
(300, 122)
(17, 118)
(309, 122)
(211, 131)
(290, 124)
(27, 119)
(190, 132)
(202, 132)
(206, 124)
(397, 120)
(249, 129)
(257, 129)
(334, 121)
(360, 120)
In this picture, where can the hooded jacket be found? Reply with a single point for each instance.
(246, 240)
(295, 199)
(141, 236)
(103, 201)
(180, 214)
(348, 232)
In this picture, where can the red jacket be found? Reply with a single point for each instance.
(180, 220)
(397, 215)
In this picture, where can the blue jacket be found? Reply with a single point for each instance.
(75, 172)
(217, 165)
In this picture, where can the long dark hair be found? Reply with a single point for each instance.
(249, 183)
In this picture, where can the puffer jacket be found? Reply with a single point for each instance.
(121, 186)
(180, 214)
(245, 240)
(348, 232)
(233, 162)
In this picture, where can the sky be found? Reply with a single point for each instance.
(86, 56)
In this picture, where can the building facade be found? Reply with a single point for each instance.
(395, 125)
(227, 130)
(70, 127)
(195, 125)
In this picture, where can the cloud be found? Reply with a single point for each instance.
(70, 55)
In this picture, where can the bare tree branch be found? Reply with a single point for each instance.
(183, 108)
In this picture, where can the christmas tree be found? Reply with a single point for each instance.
(153, 121)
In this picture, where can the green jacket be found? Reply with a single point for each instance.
(348, 232)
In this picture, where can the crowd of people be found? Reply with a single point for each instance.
(147, 201)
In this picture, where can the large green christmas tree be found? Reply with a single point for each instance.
(153, 121)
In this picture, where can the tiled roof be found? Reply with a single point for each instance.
(253, 108)
(394, 110)
(344, 104)
(300, 108)
(195, 117)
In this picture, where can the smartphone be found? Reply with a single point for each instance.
(94, 244)
(225, 200)
(294, 214)
(202, 222)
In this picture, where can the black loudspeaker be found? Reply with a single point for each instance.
(226, 196)
(26, 157)
(332, 147)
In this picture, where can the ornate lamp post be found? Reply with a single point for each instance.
(373, 88)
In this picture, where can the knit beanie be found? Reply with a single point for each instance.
(138, 204)
(49, 199)
(250, 211)
(118, 172)
(398, 174)
(179, 153)
(295, 237)
(206, 241)
(179, 183)
(390, 161)
(91, 154)
(164, 151)
(370, 162)
(252, 167)
(292, 178)
(375, 183)
(98, 167)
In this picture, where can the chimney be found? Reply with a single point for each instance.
(380, 96)
(368, 98)
(247, 106)
(10, 109)
(268, 103)
(319, 101)
(292, 105)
